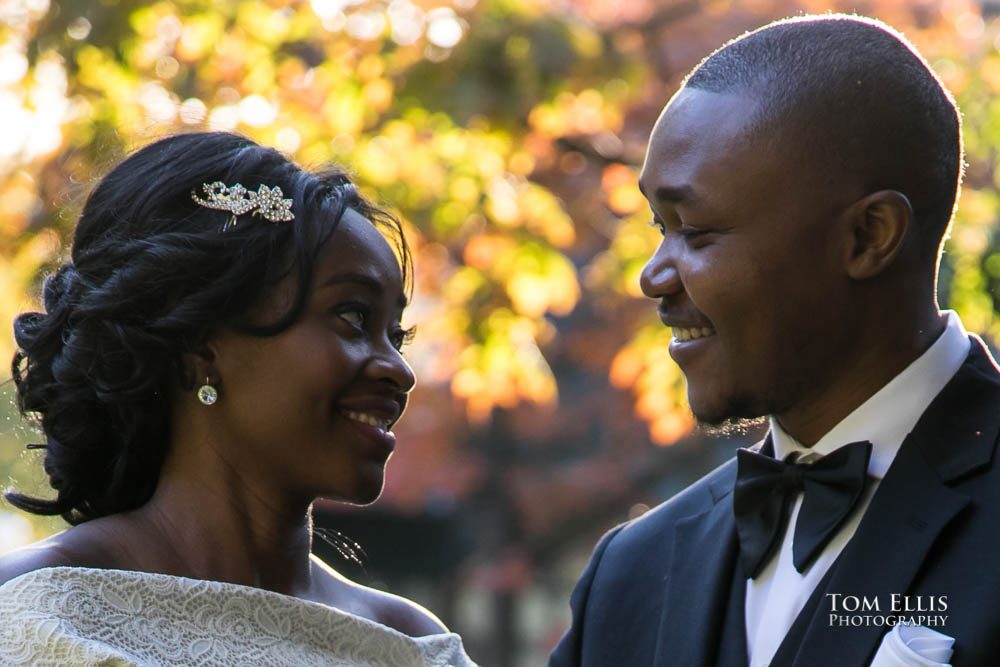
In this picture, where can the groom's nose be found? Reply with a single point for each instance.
(660, 276)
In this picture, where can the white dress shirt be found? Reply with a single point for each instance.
(775, 598)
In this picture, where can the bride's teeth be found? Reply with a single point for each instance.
(685, 334)
(367, 419)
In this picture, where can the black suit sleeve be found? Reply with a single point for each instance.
(569, 650)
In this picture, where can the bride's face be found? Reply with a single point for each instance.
(311, 409)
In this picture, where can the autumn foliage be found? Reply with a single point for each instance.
(508, 135)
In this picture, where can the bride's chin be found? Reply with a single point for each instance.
(366, 492)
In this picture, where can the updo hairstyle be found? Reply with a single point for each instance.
(151, 274)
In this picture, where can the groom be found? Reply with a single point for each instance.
(803, 179)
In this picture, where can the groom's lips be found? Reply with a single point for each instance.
(690, 334)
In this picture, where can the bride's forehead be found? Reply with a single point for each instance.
(358, 243)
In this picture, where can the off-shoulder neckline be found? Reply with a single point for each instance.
(219, 586)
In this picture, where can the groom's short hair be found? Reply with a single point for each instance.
(858, 100)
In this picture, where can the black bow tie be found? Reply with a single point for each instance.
(766, 487)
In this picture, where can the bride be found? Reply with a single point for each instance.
(222, 349)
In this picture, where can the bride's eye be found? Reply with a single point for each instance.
(401, 337)
(354, 315)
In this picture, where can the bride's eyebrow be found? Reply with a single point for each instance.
(362, 280)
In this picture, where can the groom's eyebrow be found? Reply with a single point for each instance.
(671, 194)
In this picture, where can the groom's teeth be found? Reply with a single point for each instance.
(366, 418)
(691, 333)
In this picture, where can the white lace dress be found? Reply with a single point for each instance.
(81, 616)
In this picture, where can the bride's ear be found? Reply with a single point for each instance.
(198, 366)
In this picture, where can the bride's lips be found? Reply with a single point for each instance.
(373, 417)
(384, 442)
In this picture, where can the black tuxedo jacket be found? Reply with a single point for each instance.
(665, 589)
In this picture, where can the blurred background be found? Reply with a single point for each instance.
(508, 135)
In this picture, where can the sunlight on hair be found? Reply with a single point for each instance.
(731, 427)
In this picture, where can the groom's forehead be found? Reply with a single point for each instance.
(709, 148)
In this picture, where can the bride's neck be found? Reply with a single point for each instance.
(208, 521)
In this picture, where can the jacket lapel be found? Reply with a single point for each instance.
(698, 583)
(882, 558)
(914, 503)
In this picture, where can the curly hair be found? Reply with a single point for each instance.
(151, 274)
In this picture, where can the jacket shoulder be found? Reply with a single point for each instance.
(699, 497)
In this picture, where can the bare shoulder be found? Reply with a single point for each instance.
(390, 610)
(405, 615)
(79, 546)
(33, 557)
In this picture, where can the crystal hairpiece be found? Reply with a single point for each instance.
(266, 202)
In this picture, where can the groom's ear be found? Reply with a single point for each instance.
(876, 227)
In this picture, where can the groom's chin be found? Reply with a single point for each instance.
(725, 418)
(730, 426)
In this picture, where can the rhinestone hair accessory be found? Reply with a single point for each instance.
(266, 202)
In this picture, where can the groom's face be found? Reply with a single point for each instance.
(747, 272)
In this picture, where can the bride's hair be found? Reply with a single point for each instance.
(151, 273)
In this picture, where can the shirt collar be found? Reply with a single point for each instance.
(890, 414)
